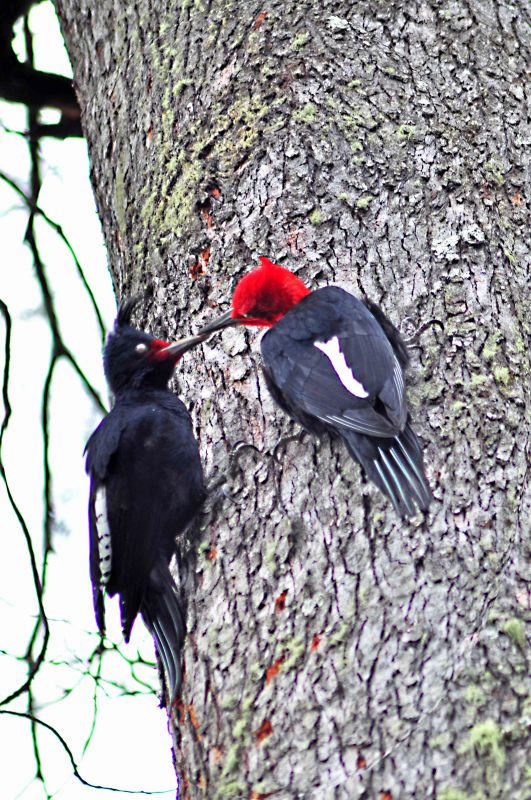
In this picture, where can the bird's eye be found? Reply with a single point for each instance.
(141, 348)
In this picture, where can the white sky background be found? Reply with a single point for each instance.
(131, 748)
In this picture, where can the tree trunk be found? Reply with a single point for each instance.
(334, 651)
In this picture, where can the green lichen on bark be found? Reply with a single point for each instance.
(515, 630)
(486, 739)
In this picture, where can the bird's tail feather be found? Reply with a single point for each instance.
(395, 465)
(162, 614)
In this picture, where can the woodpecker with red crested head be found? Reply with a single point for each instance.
(336, 364)
(146, 485)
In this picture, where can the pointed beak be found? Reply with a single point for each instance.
(224, 321)
(181, 346)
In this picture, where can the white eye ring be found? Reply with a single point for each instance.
(141, 348)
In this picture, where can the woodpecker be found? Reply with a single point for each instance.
(146, 485)
(336, 364)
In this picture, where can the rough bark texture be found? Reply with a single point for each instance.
(334, 652)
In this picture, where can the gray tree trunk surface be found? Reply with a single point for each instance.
(334, 651)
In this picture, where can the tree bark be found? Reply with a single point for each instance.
(334, 651)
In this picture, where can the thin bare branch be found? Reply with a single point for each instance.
(75, 768)
(59, 231)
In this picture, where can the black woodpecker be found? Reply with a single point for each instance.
(336, 364)
(146, 485)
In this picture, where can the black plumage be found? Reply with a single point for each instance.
(146, 484)
(357, 391)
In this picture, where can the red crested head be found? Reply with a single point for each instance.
(263, 296)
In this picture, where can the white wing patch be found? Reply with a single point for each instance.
(104, 535)
(332, 350)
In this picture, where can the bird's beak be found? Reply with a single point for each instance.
(224, 321)
(181, 346)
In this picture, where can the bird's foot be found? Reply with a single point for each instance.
(216, 489)
(285, 440)
(414, 338)
(236, 452)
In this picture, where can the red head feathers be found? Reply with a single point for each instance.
(262, 297)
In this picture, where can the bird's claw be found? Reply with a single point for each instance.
(285, 440)
(413, 339)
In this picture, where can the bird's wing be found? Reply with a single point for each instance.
(95, 566)
(99, 450)
(391, 331)
(330, 358)
(103, 443)
(372, 358)
(150, 492)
